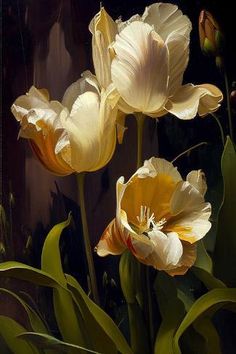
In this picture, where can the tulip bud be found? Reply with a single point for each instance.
(233, 99)
(211, 37)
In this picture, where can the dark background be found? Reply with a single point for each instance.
(47, 43)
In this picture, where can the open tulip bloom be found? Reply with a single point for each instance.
(145, 57)
(76, 135)
(159, 217)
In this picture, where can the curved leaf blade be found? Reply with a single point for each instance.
(208, 303)
(9, 330)
(35, 321)
(225, 248)
(100, 318)
(45, 341)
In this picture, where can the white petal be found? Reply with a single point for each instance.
(198, 180)
(190, 213)
(155, 166)
(87, 82)
(167, 18)
(140, 68)
(92, 130)
(104, 30)
(190, 100)
(178, 46)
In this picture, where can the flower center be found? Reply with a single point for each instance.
(146, 221)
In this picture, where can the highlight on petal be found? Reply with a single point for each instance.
(87, 82)
(91, 130)
(178, 46)
(40, 123)
(103, 29)
(190, 213)
(140, 67)
(186, 261)
(120, 126)
(167, 18)
(198, 180)
(155, 166)
(190, 100)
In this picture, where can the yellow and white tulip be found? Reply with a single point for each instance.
(159, 217)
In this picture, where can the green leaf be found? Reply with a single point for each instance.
(206, 305)
(69, 322)
(225, 248)
(130, 280)
(203, 260)
(45, 341)
(35, 321)
(9, 330)
(206, 329)
(172, 312)
(99, 322)
(207, 278)
(51, 258)
(25, 272)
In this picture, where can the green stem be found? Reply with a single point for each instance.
(220, 127)
(149, 306)
(88, 250)
(228, 105)
(188, 150)
(140, 123)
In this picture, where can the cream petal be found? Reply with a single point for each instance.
(140, 68)
(186, 261)
(167, 250)
(87, 82)
(197, 179)
(167, 18)
(91, 129)
(155, 166)
(111, 241)
(103, 29)
(190, 213)
(190, 100)
(178, 46)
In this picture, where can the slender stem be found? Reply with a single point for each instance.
(188, 150)
(220, 127)
(228, 105)
(140, 123)
(149, 306)
(88, 250)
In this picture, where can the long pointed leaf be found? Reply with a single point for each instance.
(35, 321)
(99, 317)
(45, 341)
(9, 330)
(208, 303)
(225, 248)
(64, 308)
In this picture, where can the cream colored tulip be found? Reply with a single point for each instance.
(159, 217)
(76, 135)
(150, 54)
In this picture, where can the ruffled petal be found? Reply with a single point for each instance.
(167, 18)
(40, 123)
(190, 100)
(189, 213)
(186, 261)
(198, 180)
(155, 166)
(111, 241)
(140, 67)
(87, 82)
(164, 251)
